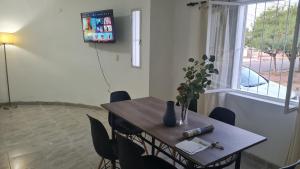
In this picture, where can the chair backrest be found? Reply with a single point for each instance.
(293, 166)
(119, 96)
(116, 97)
(100, 138)
(192, 106)
(129, 153)
(224, 115)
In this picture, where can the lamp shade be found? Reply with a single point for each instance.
(7, 38)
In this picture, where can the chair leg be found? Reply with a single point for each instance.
(101, 162)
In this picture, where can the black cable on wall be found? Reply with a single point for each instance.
(101, 70)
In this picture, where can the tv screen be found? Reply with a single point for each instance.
(98, 26)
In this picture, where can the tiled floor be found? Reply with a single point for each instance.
(55, 137)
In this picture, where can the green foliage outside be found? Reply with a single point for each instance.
(269, 30)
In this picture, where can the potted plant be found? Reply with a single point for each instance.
(197, 78)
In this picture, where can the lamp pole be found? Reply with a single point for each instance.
(7, 80)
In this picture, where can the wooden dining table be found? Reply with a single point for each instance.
(147, 114)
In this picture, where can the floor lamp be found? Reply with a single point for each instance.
(7, 38)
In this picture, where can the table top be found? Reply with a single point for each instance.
(147, 114)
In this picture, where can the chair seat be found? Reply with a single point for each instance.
(126, 128)
(153, 162)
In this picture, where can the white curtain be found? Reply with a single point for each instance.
(294, 149)
(223, 22)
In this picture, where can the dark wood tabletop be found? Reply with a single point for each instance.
(147, 114)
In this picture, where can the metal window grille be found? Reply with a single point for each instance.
(273, 59)
(267, 57)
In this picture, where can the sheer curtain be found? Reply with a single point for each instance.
(221, 43)
(294, 149)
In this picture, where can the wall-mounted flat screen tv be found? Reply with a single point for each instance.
(98, 26)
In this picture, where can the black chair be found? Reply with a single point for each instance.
(224, 115)
(192, 106)
(293, 166)
(121, 125)
(130, 156)
(104, 147)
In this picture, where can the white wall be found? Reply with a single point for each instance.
(161, 49)
(52, 63)
(178, 32)
(189, 38)
(267, 119)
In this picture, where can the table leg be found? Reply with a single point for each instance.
(238, 161)
(153, 146)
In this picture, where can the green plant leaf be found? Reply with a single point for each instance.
(197, 78)
(191, 59)
(212, 58)
(216, 71)
(198, 75)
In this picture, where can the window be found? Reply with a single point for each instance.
(255, 43)
(136, 38)
(268, 37)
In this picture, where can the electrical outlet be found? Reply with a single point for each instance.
(117, 58)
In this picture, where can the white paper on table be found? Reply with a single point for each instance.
(193, 146)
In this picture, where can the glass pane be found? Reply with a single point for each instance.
(136, 31)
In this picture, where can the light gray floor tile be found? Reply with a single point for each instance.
(29, 161)
(56, 137)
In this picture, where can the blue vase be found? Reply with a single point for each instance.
(170, 117)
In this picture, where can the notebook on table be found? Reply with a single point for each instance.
(193, 146)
